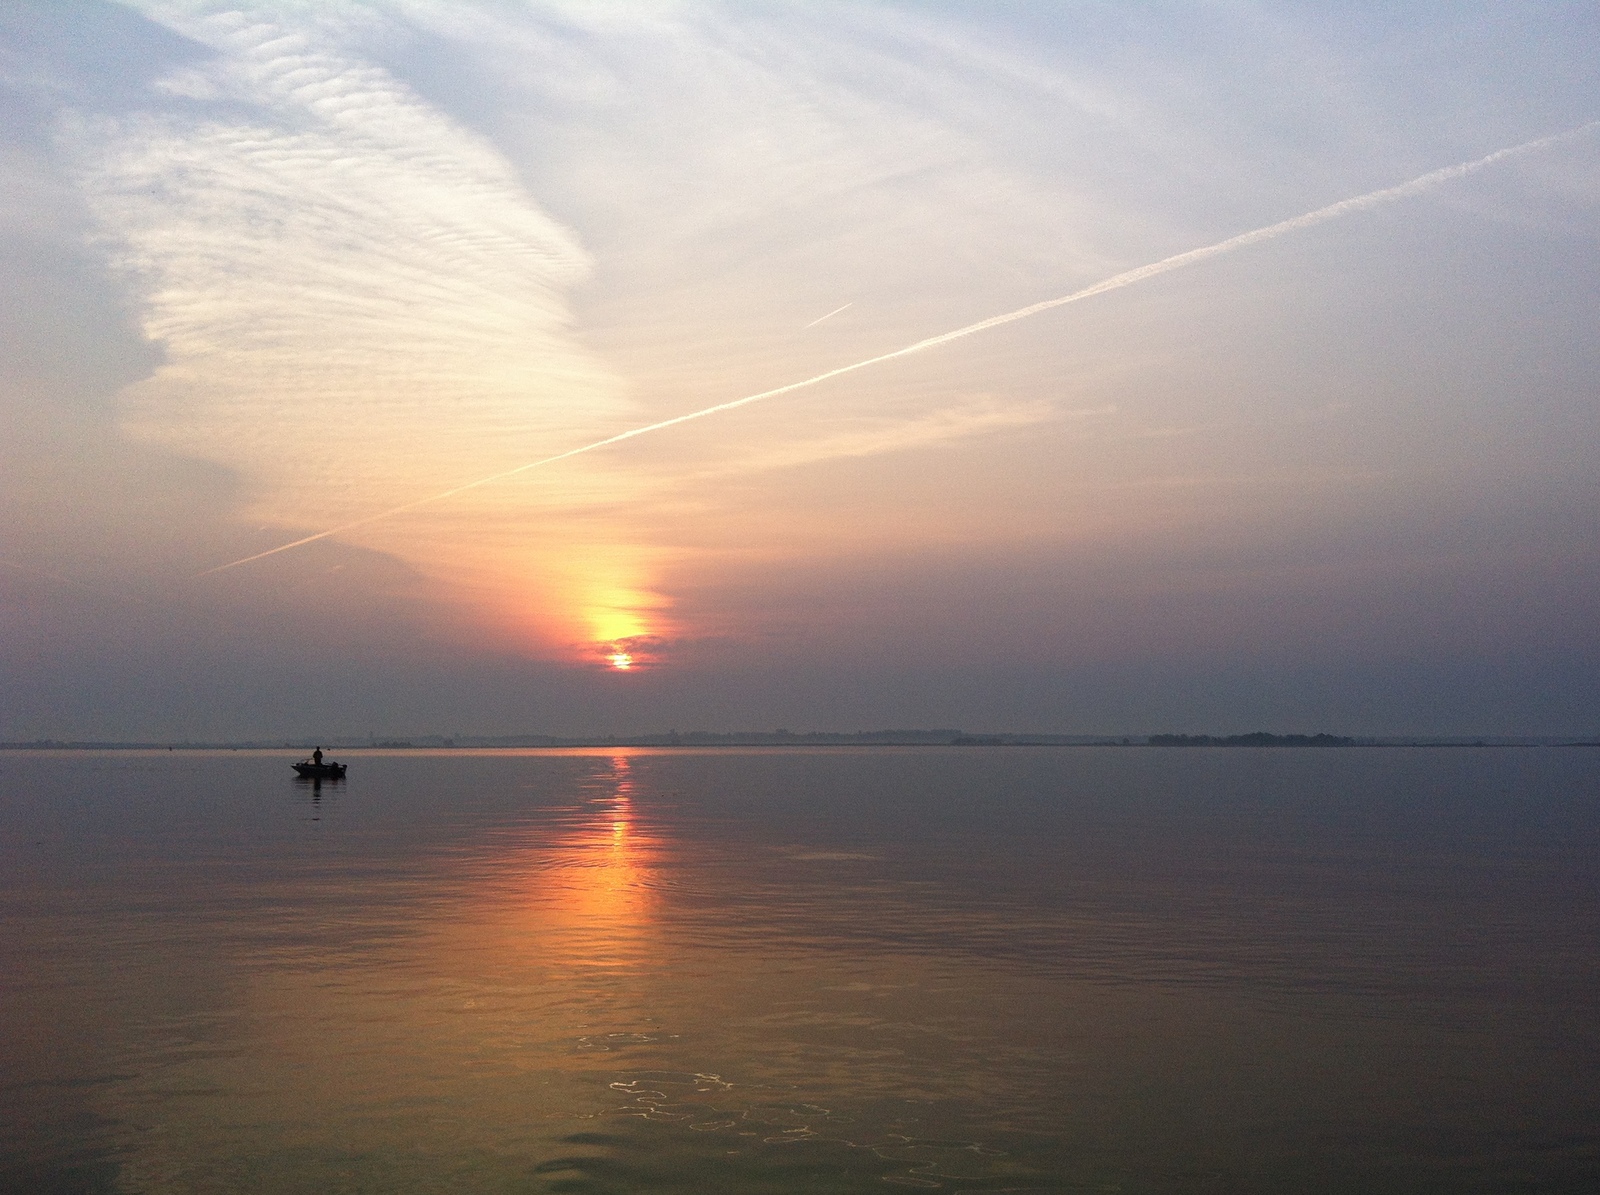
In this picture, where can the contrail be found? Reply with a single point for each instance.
(1321, 215)
(830, 315)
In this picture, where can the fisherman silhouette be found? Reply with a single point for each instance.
(316, 757)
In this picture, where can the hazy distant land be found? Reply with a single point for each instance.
(813, 738)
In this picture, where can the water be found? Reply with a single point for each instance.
(823, 970)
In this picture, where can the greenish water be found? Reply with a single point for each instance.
(829, 970)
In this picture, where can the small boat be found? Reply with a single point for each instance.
(320, 771)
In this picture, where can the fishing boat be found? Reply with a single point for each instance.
(312, 770)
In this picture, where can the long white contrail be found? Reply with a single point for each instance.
(1322, 215)
(830, 315)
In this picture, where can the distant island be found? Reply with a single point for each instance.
(1259, 738)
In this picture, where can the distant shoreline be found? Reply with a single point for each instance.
(1259, 740)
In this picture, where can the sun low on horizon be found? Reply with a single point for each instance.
(572, 367)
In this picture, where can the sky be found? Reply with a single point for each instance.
(280, 269)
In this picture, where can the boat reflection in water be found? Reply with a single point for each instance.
(313, 785)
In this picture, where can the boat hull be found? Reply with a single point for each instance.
(321, 771)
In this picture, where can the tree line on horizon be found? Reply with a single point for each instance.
(1259, 738)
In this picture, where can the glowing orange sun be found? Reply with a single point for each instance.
(621, 660)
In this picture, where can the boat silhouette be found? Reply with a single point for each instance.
(316, 770)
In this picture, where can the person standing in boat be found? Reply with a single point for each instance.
(316, 757)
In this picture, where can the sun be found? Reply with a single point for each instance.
(636, 654)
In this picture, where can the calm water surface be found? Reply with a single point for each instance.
(964, 969)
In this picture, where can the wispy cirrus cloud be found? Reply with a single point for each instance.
(354, 294)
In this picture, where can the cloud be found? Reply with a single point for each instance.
(354, 294)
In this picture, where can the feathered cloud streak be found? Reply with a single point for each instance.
(354, 294)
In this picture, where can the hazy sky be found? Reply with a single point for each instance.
(273, 268)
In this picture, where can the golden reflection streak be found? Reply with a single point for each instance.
(590, 894)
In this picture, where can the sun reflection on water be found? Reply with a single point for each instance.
(593, 893)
